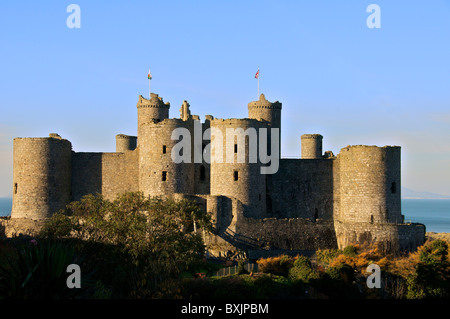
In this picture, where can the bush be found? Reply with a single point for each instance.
(302, 270)
(327, 255)
(432, 276)
(351, 251)
(275, 265)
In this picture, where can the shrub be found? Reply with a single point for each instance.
(302, 270)
(327, 255)
(350, 251)
(432, 276)
(275, 265)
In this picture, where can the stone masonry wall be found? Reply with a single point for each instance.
(370, 184)
(391, 237)
(303, 188)
(241, 180)
(109, 174)
(41, 177)
(287, 233)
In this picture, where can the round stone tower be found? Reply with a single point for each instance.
(370, 184)
(160, 173)
(233, 174)
(153, 109)
(268, 111)
(125, 143)
(311, 146)
(42, 176)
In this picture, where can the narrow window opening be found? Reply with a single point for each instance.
(15, 188)
(202, 173)
(164, 176)
(235, 148)
(164, 149)
(371, 219)
(393, 188)
(236, 175)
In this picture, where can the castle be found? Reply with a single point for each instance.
(318, 201)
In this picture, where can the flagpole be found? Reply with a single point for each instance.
(257, 76)
(149, 81)
(258, 84)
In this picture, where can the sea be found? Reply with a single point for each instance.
(433, 213)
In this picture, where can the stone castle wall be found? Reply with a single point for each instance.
(314, 202)
(392, 238)
(303, 188)
(109, 174)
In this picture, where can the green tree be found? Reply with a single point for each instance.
(144, 243)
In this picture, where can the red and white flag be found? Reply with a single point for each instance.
(257, 75)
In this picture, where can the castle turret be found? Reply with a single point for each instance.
(268, 111)
(311, 146)
(161, 171)
(153, 109)
(125, 143)
(42, 176)
(233, 175)
(370, 184)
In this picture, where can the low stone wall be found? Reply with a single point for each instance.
(287, 233)
(392, 238)
(10, 227)
(259, 236)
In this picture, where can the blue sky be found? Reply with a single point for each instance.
(333, 74)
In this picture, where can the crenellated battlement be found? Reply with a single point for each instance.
(312, 136)
(263, 103)
(155, 101)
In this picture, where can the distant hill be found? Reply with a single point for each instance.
(412, 194)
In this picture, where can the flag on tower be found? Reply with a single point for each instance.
(149, 76)
(257, 77)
